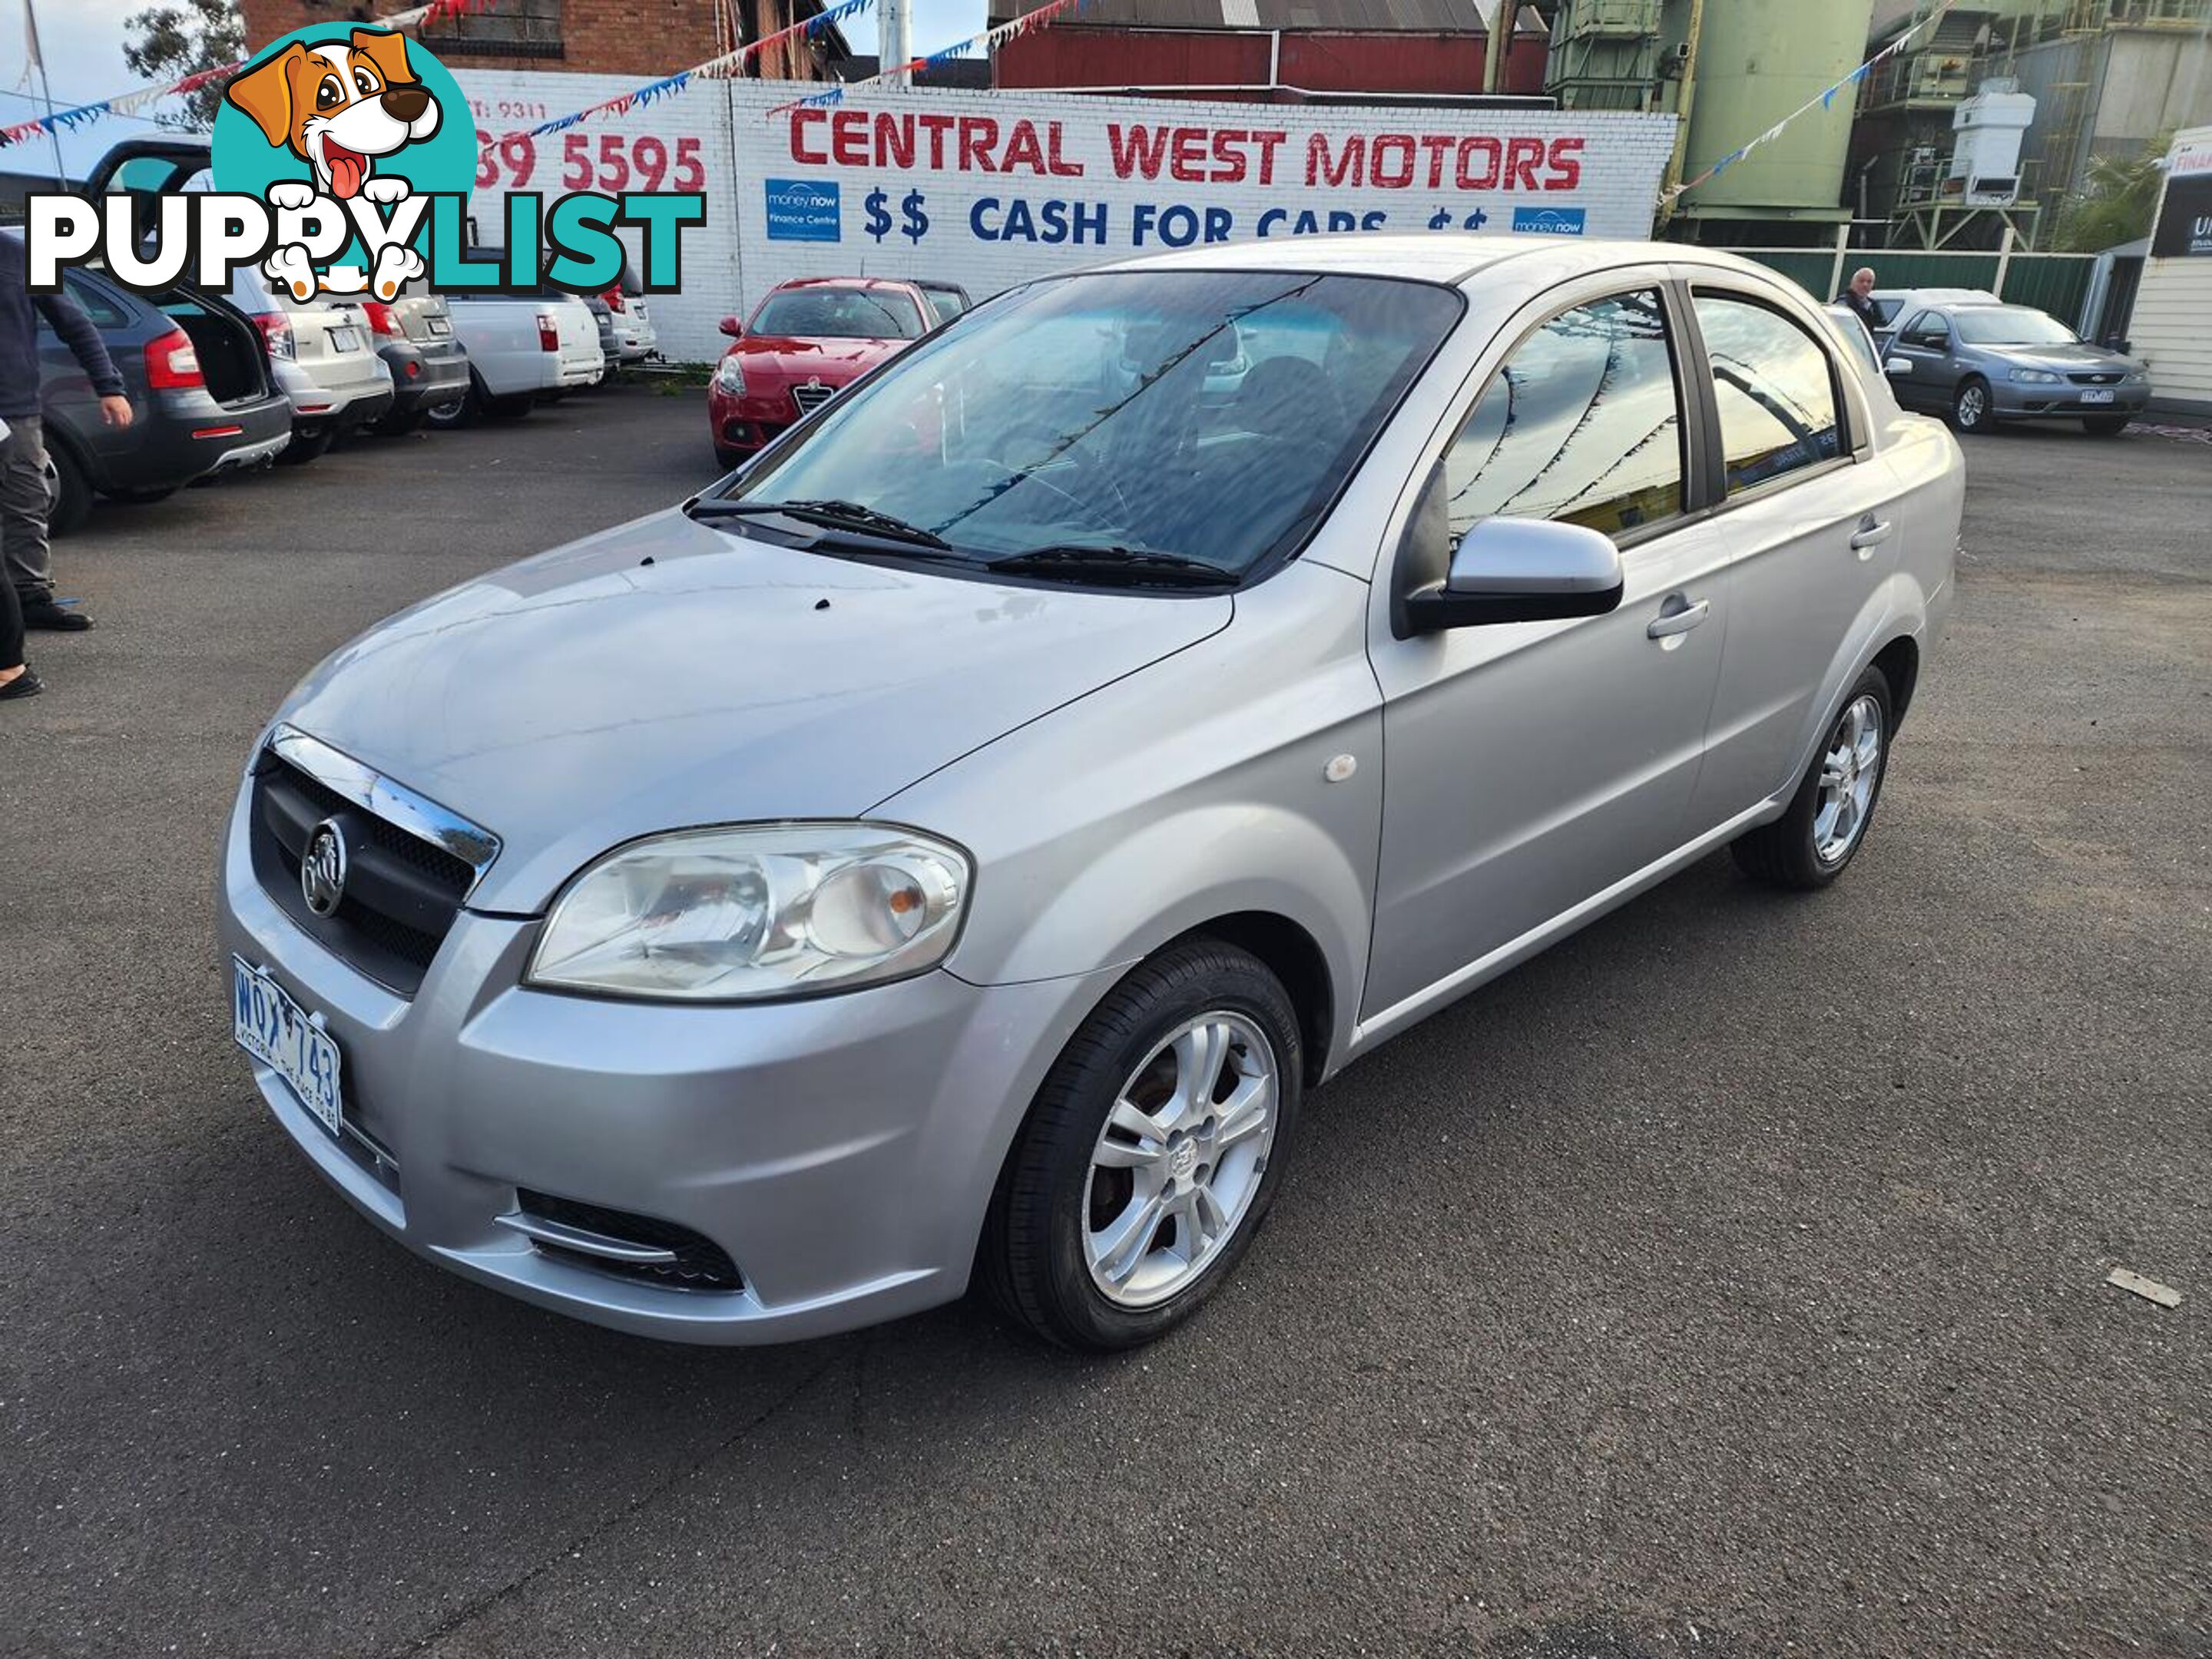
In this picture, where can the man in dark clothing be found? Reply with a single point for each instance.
(1859, 296)
(16, 679)
(24, 498)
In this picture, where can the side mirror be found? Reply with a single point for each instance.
(733, 327)
(1898, 366)
(1507, 570)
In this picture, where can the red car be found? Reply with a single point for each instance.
(806, 339)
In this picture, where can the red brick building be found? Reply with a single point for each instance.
(1277, 50)
(643, 38)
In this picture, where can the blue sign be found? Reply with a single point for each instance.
(804, 210)
(1549, 222)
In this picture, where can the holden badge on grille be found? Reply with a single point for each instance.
(323, 867)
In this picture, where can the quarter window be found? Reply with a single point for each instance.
(1775, 388)
(1582, 423)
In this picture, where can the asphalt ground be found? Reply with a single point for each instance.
(1727, 1282)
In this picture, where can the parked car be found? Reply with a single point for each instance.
(987, 816)
(524, 345)
(327, 362)
(413, 333)
(945, 300)
(1980, 364)
(629, 320)
(197, 380)
(807, 337)
(1889, 302)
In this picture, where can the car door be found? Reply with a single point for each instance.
(1811, 516)
(1930, 376)
(1532, 765)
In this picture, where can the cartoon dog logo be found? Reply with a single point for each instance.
(338, 108)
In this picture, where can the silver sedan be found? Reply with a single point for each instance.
(952, 848)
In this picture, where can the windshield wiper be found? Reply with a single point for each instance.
(1135, 564)
(833, 514)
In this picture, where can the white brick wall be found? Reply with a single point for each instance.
(1056, 155)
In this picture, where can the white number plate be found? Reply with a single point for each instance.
(440, 325)
(345, 339)
(2099, 395)
(276, 1030)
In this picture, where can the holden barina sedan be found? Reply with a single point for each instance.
(808, 338)
(980, 822)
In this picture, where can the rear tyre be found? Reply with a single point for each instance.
(510, 409)
(306, 446)
(1969, 405)
(401, 421)
(1151, 1153)
(2104, 426)
(1815, 841)
(70, 490)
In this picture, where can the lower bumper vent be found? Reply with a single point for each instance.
(628, 1246)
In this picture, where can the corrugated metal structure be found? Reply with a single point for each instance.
(1275, 49)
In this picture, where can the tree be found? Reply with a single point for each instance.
(2118, 196)
(166, 43)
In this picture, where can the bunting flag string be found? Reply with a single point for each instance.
(1044, 16)
(714, 69)
(1824, 100)
(129, 103)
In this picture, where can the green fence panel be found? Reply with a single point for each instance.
(2055, 283)
(1807, 267)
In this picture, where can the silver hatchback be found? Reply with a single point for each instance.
(999, 804)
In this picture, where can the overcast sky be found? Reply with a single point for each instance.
(83, 42)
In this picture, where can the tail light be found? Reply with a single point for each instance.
(549, 337)
(382, 319)
(275, 333)
(613, 296)
(172, 364)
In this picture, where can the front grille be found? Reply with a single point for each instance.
(2094, 379)
(700, 1265)
(402, 893)
(812, 397)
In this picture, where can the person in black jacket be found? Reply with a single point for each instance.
(16, 679)
(1859, 296)
(24, 500)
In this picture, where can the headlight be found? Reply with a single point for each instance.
(2135, 377)
(730, 376)
(2037, 376)
(747, 914)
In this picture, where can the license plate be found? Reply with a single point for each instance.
(276, 1030)
(2097, 397)
(440, 325)
(345, 339)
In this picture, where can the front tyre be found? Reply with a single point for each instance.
(1969, 405)
(1151, 1153)
(1815, 841)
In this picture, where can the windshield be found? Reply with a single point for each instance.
(837, 314)
(1206, 416)
(2010, 325)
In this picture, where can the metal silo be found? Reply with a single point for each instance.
(1757, 60)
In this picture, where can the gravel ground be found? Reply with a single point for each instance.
(1727, 1282)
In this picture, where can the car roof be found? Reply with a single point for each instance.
(842, 282)
(1940, 296)
(1443, 256)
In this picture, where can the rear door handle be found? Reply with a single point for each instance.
(1870, 532)
(1678, 615)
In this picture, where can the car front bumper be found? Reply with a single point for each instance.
(2025, 400)
(842, 1150)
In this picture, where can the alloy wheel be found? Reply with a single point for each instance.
(1849, 773)
(1180, 1159)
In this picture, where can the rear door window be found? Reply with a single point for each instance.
(1583, 423)
(1775, 386)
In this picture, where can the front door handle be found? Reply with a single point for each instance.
(1678, 615)
(1871, 532)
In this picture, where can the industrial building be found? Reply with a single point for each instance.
(1278, 51)
(2079, 80)
(1730, 69)
(643, 38)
